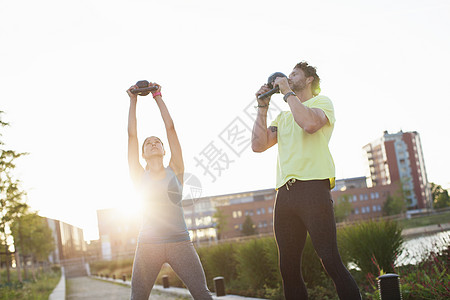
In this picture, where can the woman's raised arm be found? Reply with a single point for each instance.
(176, 159)
(134, 166)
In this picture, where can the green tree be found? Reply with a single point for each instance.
(11, 195)
(396, 204)
(220, 222)
(342, 208)
(440, 196)
(393, 206)
(248, 227)
(32, 237)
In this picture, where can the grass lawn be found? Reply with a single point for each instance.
(426, 220)
(29, 289)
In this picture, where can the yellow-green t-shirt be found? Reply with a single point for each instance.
(302, 155)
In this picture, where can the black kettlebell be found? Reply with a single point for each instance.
(143, 88)
(272, 78)
(270, 81)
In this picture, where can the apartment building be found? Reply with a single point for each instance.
(398, 157)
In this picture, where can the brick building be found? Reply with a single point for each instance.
(366, 202)
(398, 158)
(69, 241)
(258, 205)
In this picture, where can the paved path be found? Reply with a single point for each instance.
(85, 288)
(426, 229)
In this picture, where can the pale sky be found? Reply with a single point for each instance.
(65, 66)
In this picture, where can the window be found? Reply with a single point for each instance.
(235, 214)
(374, 208)
(263, 211)
(258, 198)
(356, 211)
(270, 209)
(355, 198)
(258, 211)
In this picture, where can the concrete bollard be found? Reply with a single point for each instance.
(219, 286)
(124, 277)
(165, 279)
(114, 276)
(389, 287)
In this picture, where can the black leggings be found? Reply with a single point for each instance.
(306, 206)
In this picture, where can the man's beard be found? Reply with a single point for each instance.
(299, 86)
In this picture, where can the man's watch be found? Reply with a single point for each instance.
(287, 96)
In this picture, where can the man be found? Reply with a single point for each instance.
(305, 175)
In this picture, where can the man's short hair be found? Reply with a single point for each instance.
(310, 71)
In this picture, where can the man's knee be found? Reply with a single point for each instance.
(332, 263)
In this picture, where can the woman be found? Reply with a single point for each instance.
(163, 237)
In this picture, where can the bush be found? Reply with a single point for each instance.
(427, 280)
(110, 267)
(271, 255)
(254, 268)
(29, 289)
(251, 268)
(371, 244)
(219, 260)
(174, 280)
(323, 292)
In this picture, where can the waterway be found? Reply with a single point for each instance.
(417, 248)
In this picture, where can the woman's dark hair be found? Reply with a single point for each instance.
(310, 71)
